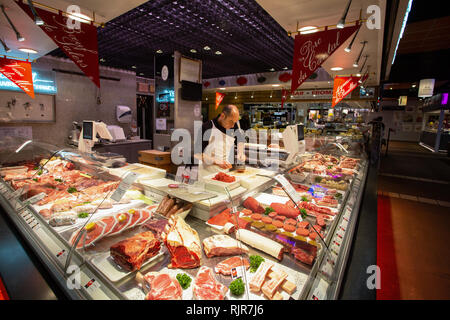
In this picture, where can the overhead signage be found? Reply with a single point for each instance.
(19, 72)
(43, 82)
(426, 87)
(311, 50)
(79, 44)
(316, 94)
(166, 96)
(343, 86)
(219, 98)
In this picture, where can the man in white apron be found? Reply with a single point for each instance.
(218, 139)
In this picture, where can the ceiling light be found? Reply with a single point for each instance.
(285, 68)
(5, 47)
(275, 85)
(414, 85)
(341, 23)
(272, 69)
(159, 51)
(222, 88)
(308, 29)
(360, 53)
(28, 50)
(336, 69)
(358, 74)
(80, 17)
(102, 60)
(133, 67)
(141, 74)
(18, 35)
(206, 48)
(193, 51)
(37, 20)
(218, 52)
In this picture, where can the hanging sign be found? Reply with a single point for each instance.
(19, 72)
(311, 50)
(426, 87)
(219, 98)
(283, 97)
(80, 45)
(343, 86)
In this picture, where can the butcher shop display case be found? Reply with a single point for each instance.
(136, 233)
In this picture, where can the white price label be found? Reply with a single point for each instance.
(91, 285)
(320, 293)
(289, 189)
(62, 255)
(124, 186)
(236, 273)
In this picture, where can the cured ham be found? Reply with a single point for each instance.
(253, 205)
(223, 245)
(162, 286)
(260, 276)
(131, 253)
(123, 220)
(226, 265)
(183, 244)
(206, 287)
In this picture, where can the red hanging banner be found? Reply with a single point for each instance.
(79, 44)
(343, 86)
(219, 98)
(18, 72)
(311, 50)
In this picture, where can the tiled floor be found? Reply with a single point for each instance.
(417, 184)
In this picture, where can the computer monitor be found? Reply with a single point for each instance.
(300, 132)
(88, 130)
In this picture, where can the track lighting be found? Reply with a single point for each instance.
(356, 64)
(365, 60)
(341, 23)
(18, 35)
(37, 20)
(349, 48)
(5, 47)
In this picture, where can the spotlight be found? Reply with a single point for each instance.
(18, 35)
(341, 23)
(37, 20)
(5, 47)
(356, 64)
(349, 48)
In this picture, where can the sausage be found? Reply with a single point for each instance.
(173, 210)
(161, 204)
(246, 212)
(252, 204)
(303, 224)
(167, 206)
(277, 223)
(272, 214)
(289, 227)
(280, 218)
(291, 221)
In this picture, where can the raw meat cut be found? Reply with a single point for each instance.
(110, 222)
(89, 236)
(123, 220)
(183, 244)
(260, 242)
(253, 205)
(303, 255)
(260, 276)
(220, 219)
(226, 265)
(285, 210)
(162, 286)
(222, 245)
(131, 253)
(156, 226)
(146, 214)
(222, 176)
(206, 287)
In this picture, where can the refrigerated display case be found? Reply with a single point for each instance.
(125, 244)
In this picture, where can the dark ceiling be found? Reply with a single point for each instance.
(250, 40)
(424, 50)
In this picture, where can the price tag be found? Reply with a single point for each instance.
(327, 268)
(289, 189)
(320, 293)
(62, 255)
(236, 273)
(91, 285)
(124, 186)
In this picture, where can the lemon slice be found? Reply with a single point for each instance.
(90, 226)
(122, 218)
(131, 211)
(43, 161)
